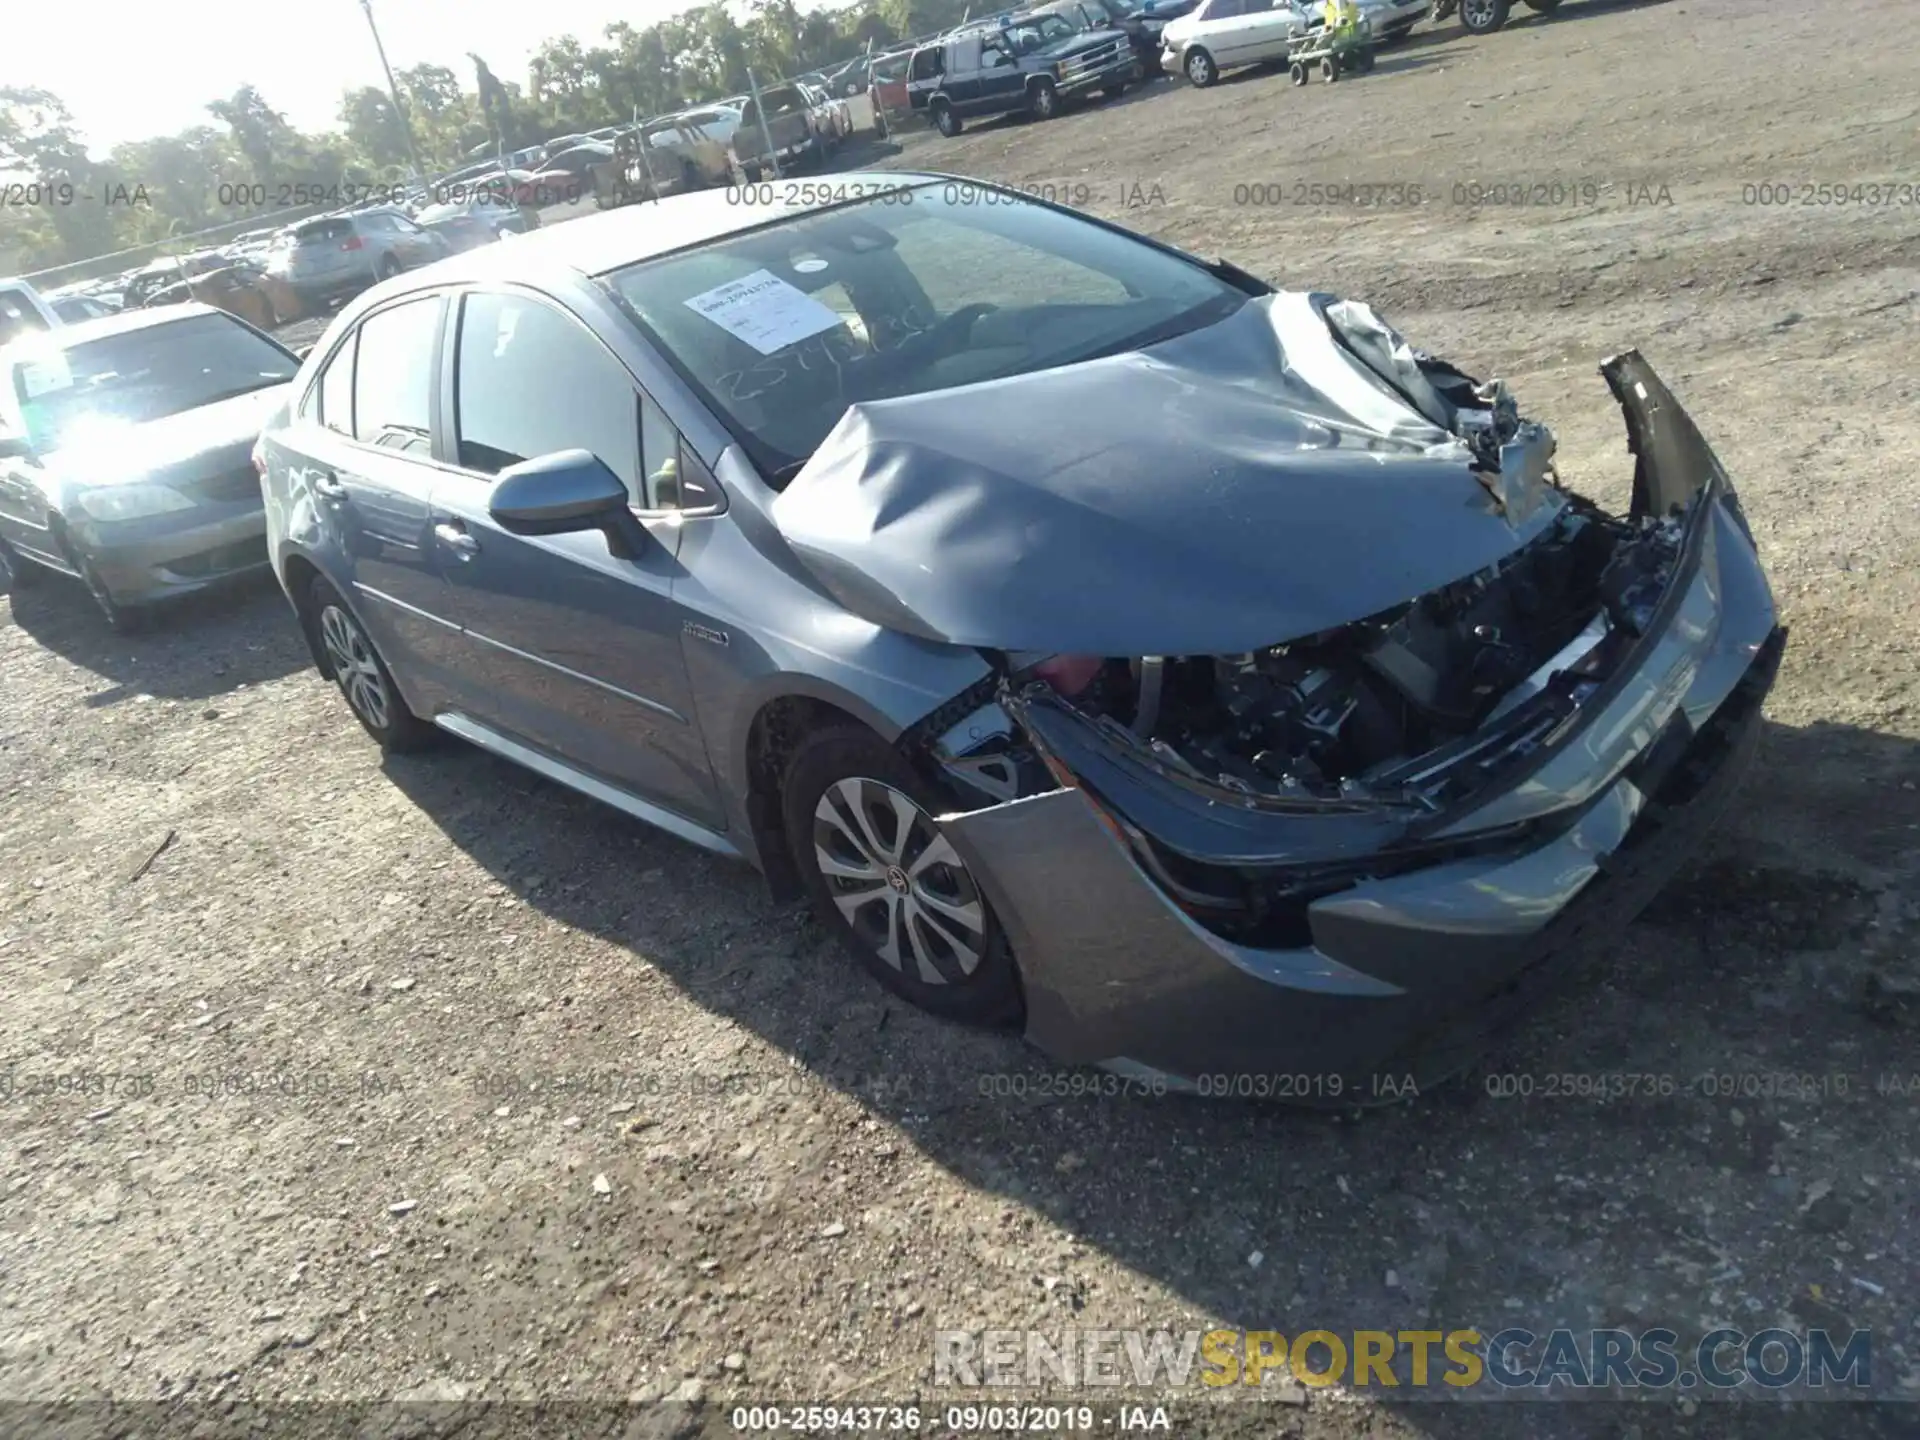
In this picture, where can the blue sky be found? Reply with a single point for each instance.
(130, 71)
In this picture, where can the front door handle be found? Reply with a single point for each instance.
(456, 539)
(328, 488)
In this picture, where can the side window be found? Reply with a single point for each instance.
(532, 381)
(335, 390)
(394, 376)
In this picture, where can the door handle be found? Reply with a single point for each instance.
(328, 488)
(456, 539)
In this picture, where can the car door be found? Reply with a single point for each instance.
(1221, 32)
(1264, 29)
(364, 471)
(418, 245)
(569, 649)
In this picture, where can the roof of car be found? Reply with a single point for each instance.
(122, 322)
(597, 244)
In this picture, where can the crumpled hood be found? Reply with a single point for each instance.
(1235, 487)
(187, 446)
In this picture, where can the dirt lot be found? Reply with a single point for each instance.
(780, 1183)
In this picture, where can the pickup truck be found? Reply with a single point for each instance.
(794, 124)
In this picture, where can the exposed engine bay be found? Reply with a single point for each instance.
(1327, 712)
(1484, 667)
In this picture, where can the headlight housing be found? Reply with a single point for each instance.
(131, 502)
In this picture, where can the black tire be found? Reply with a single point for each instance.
(890, 911)
(1329, 69)
(1483, 17)
(388, 267)
(945, 121)
(336, 632)
(1200, 68)
(1043, 99)
(1297, 72)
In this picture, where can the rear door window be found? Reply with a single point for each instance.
(394, 377)
(333, 395)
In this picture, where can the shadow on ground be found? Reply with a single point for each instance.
(1508, 1198)
(191, 649)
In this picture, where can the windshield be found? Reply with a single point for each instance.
(100, 387)
(783, 328)
(1030, 35)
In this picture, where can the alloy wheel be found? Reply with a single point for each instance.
(898, 881)
(355, 670)
(1481, 15)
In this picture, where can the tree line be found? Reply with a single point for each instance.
(65, 204)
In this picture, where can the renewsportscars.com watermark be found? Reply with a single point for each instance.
(1807, 1364)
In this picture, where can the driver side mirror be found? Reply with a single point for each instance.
(564, 493)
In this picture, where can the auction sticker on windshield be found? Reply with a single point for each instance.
(765, 311)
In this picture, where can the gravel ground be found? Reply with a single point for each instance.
(557, 1107)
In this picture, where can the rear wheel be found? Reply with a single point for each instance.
(1045, 100)
(1483, 17)
(944, 120)
(885, 880)
(1201, 71)
(388, 267)
(1297, 72)
(364, 680)
(1329, 70)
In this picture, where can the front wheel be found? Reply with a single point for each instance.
(387, 268)
(1483, 17)
(1045, 100)
(355, 666)
(1201, 70)
(884, 879)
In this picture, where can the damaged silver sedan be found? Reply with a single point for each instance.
(1193, 673)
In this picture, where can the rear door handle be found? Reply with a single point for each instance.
(456, 539)
(328, 488)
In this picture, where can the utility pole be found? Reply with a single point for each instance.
(393, 94)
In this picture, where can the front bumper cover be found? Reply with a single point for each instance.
(1406, 975)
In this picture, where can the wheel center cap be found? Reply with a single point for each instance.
(897, 878)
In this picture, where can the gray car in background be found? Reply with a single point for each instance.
(1103, 641)
(126, 453)
(334, 257)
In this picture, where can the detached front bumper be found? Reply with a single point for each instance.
(1406, 976)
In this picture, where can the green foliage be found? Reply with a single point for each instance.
(173, 185)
